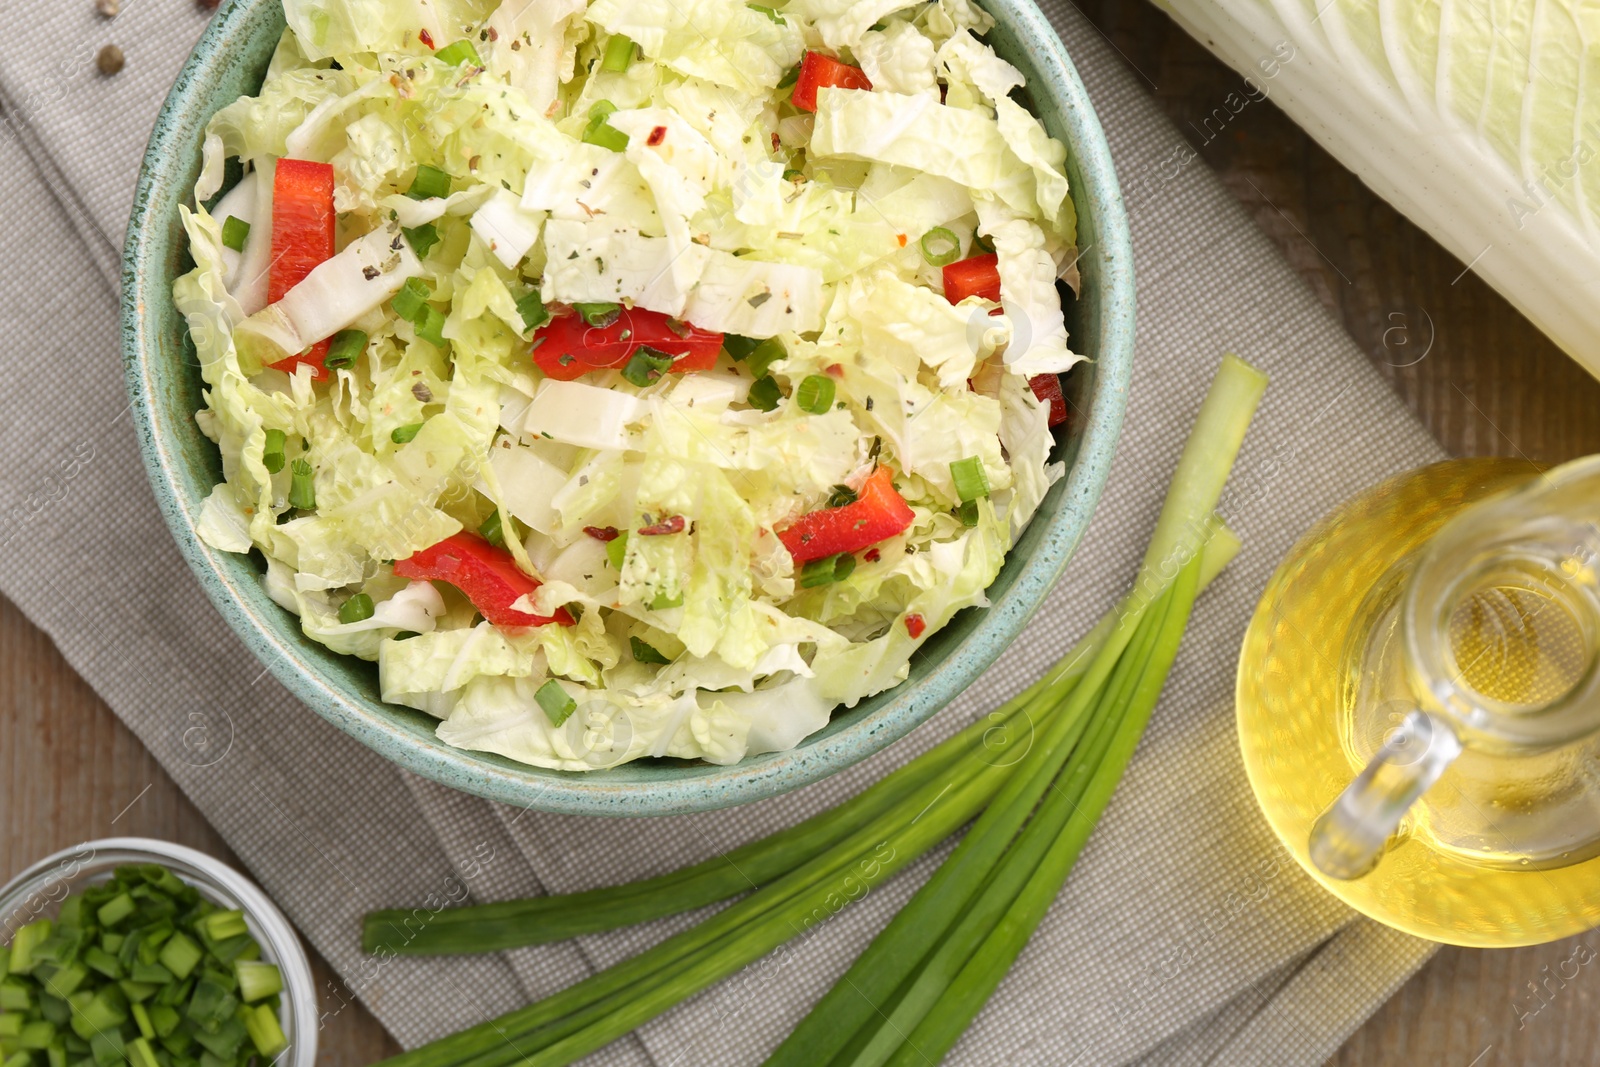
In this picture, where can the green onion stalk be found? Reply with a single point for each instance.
(1036, 774)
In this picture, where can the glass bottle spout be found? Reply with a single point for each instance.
(1348, 840)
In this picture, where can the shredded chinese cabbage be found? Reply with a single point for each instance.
(686, 184)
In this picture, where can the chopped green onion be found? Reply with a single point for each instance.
(557, 703)
(103, 961)
(792, 175)
(531, 307)
(663, 602)
(111, 913)
(302, 486)
(65, 982)
(493, 529)
(968, 513)
(770, 13)
(103, 1010)
(272, 452)
(815, 394)
(982, 243)
(411, 299)
(841, 496)
(257, 980)
(344, 348)
(221, 925)
(940, 247)
(212, 1003)
(430, 326)
(37, 1035)
(619, 54)
(790, 77)
(265, 1032)
(151, 973)
(606, 136)
(617, 549)
(646, 653)
(180, 955)
(71, 912)
(429, 183)
(738, 347)
(457, 53)
(164, 1018)
(765, 355)
(14, 995)
(646, 365)
(140, 1054)
(141, 1019)
(598, 315)
(402, 435)
(764, 394)
(600, 132)
(358, 608)
(225, 1039)
(421, 238)
(972, 481)
(826, 571)
(108, 1049)
(234, 232)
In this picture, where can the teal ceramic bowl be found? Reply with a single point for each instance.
(164, 382)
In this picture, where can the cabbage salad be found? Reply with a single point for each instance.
(629, 378)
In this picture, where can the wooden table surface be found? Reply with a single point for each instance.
(1489, 384)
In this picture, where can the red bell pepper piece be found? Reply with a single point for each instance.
(974, 276)
(567, 347)
(878, 513)
(302, 237)
(487, 575)
(818, 71)
(1047, 387)
(916, 626)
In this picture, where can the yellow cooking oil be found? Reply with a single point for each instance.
(1308, 721)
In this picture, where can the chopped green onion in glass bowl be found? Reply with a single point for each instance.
(224, 975)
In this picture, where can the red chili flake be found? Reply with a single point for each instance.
(777, 142)
(425, 37)
(915, 626)
(657, 135)
(873, 555)
(601, 533)
(834, 370)
(671, 525)
(901, 238)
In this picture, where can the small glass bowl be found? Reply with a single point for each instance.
(37, 893)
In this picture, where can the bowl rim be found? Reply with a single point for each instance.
(711, 787)
(275, 932)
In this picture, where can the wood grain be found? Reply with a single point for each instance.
(70, 771)
(1477, 374)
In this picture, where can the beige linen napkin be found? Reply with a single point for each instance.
(1186, 936)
